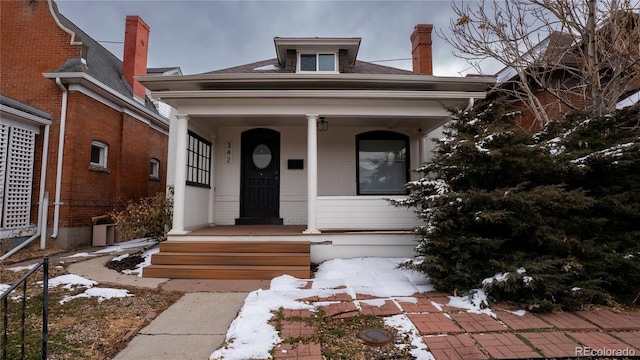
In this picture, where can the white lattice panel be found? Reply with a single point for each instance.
(4, 143)
(19, 175)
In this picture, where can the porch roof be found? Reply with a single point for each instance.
(294, 81)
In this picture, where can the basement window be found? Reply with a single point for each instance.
(317, 62)
(99, 154)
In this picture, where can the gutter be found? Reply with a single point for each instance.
(63, 123)
(472, 101)
(82, 79)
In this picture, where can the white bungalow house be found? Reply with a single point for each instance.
(298, 154)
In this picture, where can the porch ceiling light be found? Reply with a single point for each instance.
(323, 125)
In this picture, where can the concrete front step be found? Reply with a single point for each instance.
(224, 271)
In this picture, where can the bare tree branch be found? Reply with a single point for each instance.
(583, 53)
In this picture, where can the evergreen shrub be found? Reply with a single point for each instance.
(550, 219)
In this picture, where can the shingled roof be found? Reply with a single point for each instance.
(272, 66)
(101, 64)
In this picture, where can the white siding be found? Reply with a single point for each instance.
(337, 177)
(363, 213)
(196, 207)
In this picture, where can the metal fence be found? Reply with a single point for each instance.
(22, 282)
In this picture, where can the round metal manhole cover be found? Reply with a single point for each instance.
(375, 336)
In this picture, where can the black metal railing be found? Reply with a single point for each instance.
(45, 309)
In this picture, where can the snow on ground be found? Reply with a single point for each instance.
(20, 268)
(147, 261)
(125, 246)
(72, 281)
(251, 336)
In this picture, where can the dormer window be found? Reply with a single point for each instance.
(317, 62)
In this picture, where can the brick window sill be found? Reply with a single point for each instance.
(101, 169)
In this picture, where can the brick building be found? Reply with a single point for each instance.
(93, 138)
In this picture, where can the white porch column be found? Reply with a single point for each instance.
(180, 186)
(423, 149)
(312, 173)
(212, 195)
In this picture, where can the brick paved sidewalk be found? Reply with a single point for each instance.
(453, 333)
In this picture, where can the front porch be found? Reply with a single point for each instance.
(267, 251)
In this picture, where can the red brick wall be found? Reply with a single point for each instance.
(31, 43)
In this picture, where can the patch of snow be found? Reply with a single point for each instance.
(521, 270)
(125, 245)
(70, 281)
(98, 292)
(476, 303)
(82, 254)
(575, 289)
(250, 334)
(120, 258)
(269, 67)
(21, 268)
(497, 277)
(527, 280)
(147, 261)
(405, 326)
(518, 312)
(631, 100)
(4, 287)
(615, 151)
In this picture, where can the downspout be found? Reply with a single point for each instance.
(43, 210)
(63, 123)
(472, 102)
(42, 198)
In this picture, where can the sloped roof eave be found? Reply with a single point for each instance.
(93, 84)
(250, 81)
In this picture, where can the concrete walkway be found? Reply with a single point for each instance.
(192, 328)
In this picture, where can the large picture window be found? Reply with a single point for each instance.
(198, 161)
(383, 163)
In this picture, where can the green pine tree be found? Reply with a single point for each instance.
(549, 219)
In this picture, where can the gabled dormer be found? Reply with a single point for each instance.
(317, 55)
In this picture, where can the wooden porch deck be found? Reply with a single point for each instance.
(250, 230)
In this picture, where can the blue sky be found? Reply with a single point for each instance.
(206, 35)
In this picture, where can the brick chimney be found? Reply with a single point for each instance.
(134, 59)
(421, 49)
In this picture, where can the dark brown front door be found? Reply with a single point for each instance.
(260, 174)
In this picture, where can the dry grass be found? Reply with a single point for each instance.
(82, 328)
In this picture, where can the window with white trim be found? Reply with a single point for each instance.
(383, 163)
(317, 62)
(198, 161)
(154, 169)
(99, 152)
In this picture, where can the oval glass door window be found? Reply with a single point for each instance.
(261, 156)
